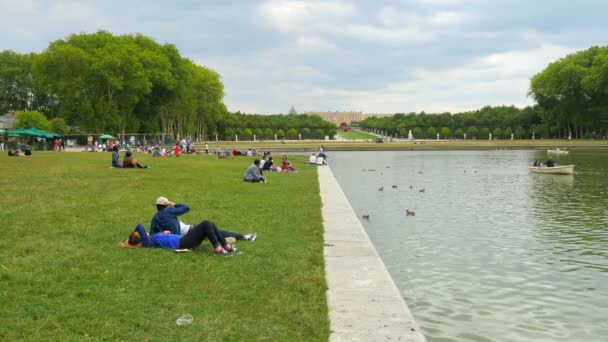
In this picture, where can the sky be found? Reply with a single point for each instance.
(333, 55)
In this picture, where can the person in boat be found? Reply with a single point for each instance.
(536, 163)
(550, 163)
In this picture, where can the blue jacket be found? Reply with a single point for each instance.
(115, 159)
(166, 219)
(169, 241)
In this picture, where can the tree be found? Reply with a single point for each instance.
(459, 133)
(247, 134)
(484, 133)
(472, 132)
(572, 92)
(445, 132)
(32, 119)
(58, 126)
(280, 133)
(497, 133)
(319, 133)
(306, 133)
(268, 134)
(259, 134)
(417, 132)
(292, 134)
(431, 132)
(508, 132)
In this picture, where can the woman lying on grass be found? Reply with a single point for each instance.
(192, 239)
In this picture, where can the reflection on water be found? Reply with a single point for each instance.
(493, 253)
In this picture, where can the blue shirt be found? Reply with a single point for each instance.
(169, 241)
(166, 219)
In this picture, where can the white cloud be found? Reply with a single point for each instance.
(294, 16)
(448, 18)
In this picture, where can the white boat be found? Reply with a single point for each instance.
(556, 170)
(558, 151)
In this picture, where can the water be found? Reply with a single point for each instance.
(493, 253)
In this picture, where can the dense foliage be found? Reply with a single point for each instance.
(500, 121)
(105, 83)
(290, 126)
(573, 93)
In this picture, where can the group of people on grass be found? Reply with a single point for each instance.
(255, 171)
(128, 161)
(169, 232)
(22, 150)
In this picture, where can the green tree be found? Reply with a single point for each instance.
(508, 132)
(259, 134)
(497, 134)
(292, 134)
(445, 132)
(306, 133)
(472, 132)
(32, 119)
(459, 133)
(417, 132)
(431, 133)
(247, 134)
(484, 133)
(319, 133)
(280, 134)
(268, 134)
(58, 126)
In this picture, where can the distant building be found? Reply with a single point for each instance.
(346, 117)
(7, 120)
(292, 111)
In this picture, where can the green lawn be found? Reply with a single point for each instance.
(355, 135)
(62, 276)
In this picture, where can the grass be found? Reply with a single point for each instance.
(62, 276)
(356, 135)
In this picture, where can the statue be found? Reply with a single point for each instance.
(410, 137)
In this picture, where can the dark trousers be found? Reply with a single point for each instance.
(237, 236)
(198, 233)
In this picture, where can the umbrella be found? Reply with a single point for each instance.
(106, 136)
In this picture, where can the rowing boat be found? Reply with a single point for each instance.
(556, 170)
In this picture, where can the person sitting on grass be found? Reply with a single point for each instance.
(130, 162)
(166, 219)
(312, 159)
(178, 150)
(269, 164)
(205, 230)
(252, 174)
(116, 156)
(286, 165)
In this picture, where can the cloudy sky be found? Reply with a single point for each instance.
(318, 55)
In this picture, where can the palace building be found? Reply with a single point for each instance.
(347, 117)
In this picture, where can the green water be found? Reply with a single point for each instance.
(493, 252)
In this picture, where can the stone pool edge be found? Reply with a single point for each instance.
(363, 301)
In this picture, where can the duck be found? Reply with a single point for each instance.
(395, 186)
(411, 187)
(381, 188)
(366, 217)
(421, 190)
(420, 172)
(410, 213)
